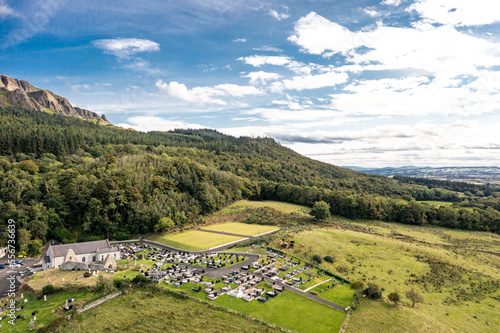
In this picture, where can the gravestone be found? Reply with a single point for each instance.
(32, 325)
(45, 298)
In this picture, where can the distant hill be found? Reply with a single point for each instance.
(23, 94)
(466, 174)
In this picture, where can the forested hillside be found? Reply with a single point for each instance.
(69, 179)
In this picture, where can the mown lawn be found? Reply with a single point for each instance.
(194, 240)
(287, 310)
(241, 228)
(242, 205)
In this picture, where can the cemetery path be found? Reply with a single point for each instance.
(302, 293)
(217, 273)
(306, 290)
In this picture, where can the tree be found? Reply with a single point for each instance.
(23, 239)
(320, 210)
(356, 285)
(164, 224)
(394, 297)
(34, 248)
(414, 297)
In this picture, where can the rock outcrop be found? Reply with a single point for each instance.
(23, 94)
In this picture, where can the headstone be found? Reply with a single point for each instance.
(26, 300)
(22, 295)
(32, 325)
(63, 279)
(45, 298)
(49, 280)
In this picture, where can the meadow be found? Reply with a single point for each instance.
(146, 311)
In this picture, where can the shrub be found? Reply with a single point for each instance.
(356, 285)
(140, 279)
(394, 297)
(122, 283)
(373, 291)
(104, 285)
(329, 259)
(49, 289)
(317, 258)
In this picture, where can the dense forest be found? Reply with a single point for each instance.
(69, 179)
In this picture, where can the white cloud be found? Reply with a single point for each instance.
(371, 12)
(258, 61)
(458, 12)
(425, 48)
(278, 16)
(151, 123)
(205, 95)
(262, 77)
(240, 40)
(420, 96)
(126, 47)
(308, 82)
(5, 11)
(267, 48)
(391, 2)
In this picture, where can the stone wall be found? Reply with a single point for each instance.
(99, 302)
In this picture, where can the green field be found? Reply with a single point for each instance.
(438, 203)
(457, 273)
(143, 311)
(241, 228)
(288, 310)
(45, 313)
(284, 207)
(194, 240)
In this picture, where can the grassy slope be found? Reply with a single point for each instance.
(146, 312)
(242, 205)
(387, 254)
(45, 310)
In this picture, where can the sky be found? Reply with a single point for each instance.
(353, 83)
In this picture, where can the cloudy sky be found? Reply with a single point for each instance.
(352, 83)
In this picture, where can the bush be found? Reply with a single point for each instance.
(356, 285)
(317, 258)
(329, 259)
(104, 285)
(49, 289)
(140, 279)
(373, 291)
(394, 297)
(122, 283)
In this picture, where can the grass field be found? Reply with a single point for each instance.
(456, 272)
(241, 228)
(288, 310)
(194, 240)
(143, 311)
(60, 278)
(438, 203)
(341, 294)
(46, 312)
(284, 207)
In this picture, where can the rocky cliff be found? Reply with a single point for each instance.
(20, 93)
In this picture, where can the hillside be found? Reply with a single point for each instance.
(69, 179)
(23, 94)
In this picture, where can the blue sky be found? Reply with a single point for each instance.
(352, 83)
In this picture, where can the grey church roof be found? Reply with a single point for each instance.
(81, 248)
